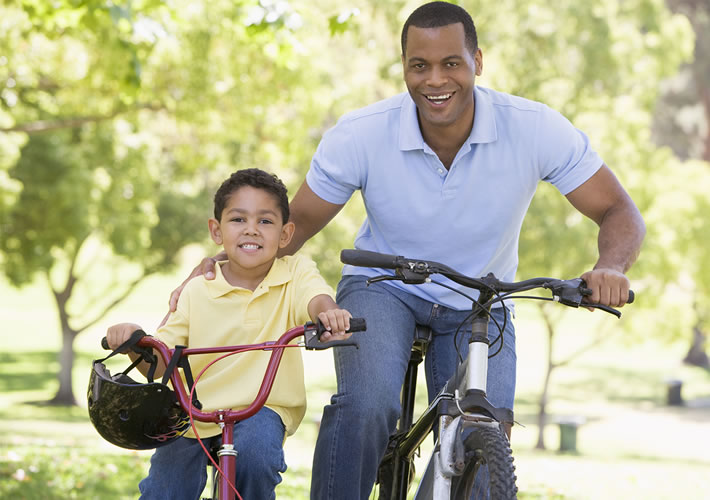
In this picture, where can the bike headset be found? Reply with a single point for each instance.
(134, 415)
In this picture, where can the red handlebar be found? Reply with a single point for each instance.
(227, 416)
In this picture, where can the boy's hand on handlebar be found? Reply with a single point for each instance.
(609, 287)
(205, 268)
(118, 334)
(337, 321)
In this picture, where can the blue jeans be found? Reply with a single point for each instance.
(357, 423)
(178, 469)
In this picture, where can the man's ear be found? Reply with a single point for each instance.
(286, 234)
(215, 231)
(478, 59)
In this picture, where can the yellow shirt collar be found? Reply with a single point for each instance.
(277, 275)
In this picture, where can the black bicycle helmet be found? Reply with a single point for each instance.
(133, 415)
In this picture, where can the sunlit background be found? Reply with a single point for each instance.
(118, 120)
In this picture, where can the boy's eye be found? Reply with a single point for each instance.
(237, 219)
(266, 221)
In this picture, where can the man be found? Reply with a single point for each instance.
(447, 172)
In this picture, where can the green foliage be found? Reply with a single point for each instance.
(118, 120)
(69, 473)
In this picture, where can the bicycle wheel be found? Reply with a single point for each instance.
(489, 472)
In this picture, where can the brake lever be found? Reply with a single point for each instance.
(383, 277)
(406, 276)
(608, 309)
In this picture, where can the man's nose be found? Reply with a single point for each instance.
(437, 77)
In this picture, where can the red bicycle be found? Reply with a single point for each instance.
(139, 416)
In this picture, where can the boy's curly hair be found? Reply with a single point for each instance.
(256, 178)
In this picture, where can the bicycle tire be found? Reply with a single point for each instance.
(486, 448)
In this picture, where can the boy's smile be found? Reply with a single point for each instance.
(252, 231)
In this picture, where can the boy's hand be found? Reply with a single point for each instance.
(118, 334)
(337, 321)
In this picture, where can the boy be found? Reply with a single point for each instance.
(256, 298)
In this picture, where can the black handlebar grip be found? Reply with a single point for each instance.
(365, 258)
(632, 296)
(104, 344)
(357, 325)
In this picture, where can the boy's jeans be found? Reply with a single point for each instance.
(177, 470)
(357, 424)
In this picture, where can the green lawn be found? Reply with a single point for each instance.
(631, 446)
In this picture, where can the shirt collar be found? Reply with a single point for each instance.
(484, 123)
(277, 275)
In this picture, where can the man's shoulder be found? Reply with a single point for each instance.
(509, 102)
(377, 110)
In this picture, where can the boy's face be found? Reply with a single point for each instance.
(251, 230)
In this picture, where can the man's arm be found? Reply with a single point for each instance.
(310, 213)
(621, 232)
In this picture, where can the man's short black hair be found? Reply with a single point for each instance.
(438, 14)
(256, 178)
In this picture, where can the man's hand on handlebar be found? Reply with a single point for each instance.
(609, 287)
(206, 268)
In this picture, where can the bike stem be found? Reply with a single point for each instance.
(227, 462)
(477, 371)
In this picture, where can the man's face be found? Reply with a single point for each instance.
(440, 73)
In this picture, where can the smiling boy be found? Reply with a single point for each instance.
(254, 298)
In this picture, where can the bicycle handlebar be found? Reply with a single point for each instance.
(417, 271)
(311, 332)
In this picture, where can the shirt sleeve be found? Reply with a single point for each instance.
(309, 284)
(565, 155)
(176, 328)
(335, 171)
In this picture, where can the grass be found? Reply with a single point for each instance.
(631, 446)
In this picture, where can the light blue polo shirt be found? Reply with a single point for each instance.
(468, 217)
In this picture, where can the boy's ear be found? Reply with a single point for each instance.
(215, 231)
(286, 234)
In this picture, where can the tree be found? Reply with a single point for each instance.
(682, 122)
(682, 119)
(118, 122)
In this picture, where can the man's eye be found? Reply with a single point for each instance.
(452, 64)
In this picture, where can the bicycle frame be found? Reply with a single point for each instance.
(226, 418)
(456, 458)
(470, 378)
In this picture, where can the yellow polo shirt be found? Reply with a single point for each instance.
(214, 313)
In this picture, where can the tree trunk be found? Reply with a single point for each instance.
(65, 394)
(696, 354)
(542, 403)
(542, 412)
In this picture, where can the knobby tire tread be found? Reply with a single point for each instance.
(490, 447)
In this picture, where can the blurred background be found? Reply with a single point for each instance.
(119, 119)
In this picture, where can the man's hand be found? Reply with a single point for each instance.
(118, 334)
(204, 268)
(609, 287)
(337, 321)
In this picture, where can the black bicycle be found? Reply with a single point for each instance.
(472, 456)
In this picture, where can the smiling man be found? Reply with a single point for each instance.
(447, 171)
